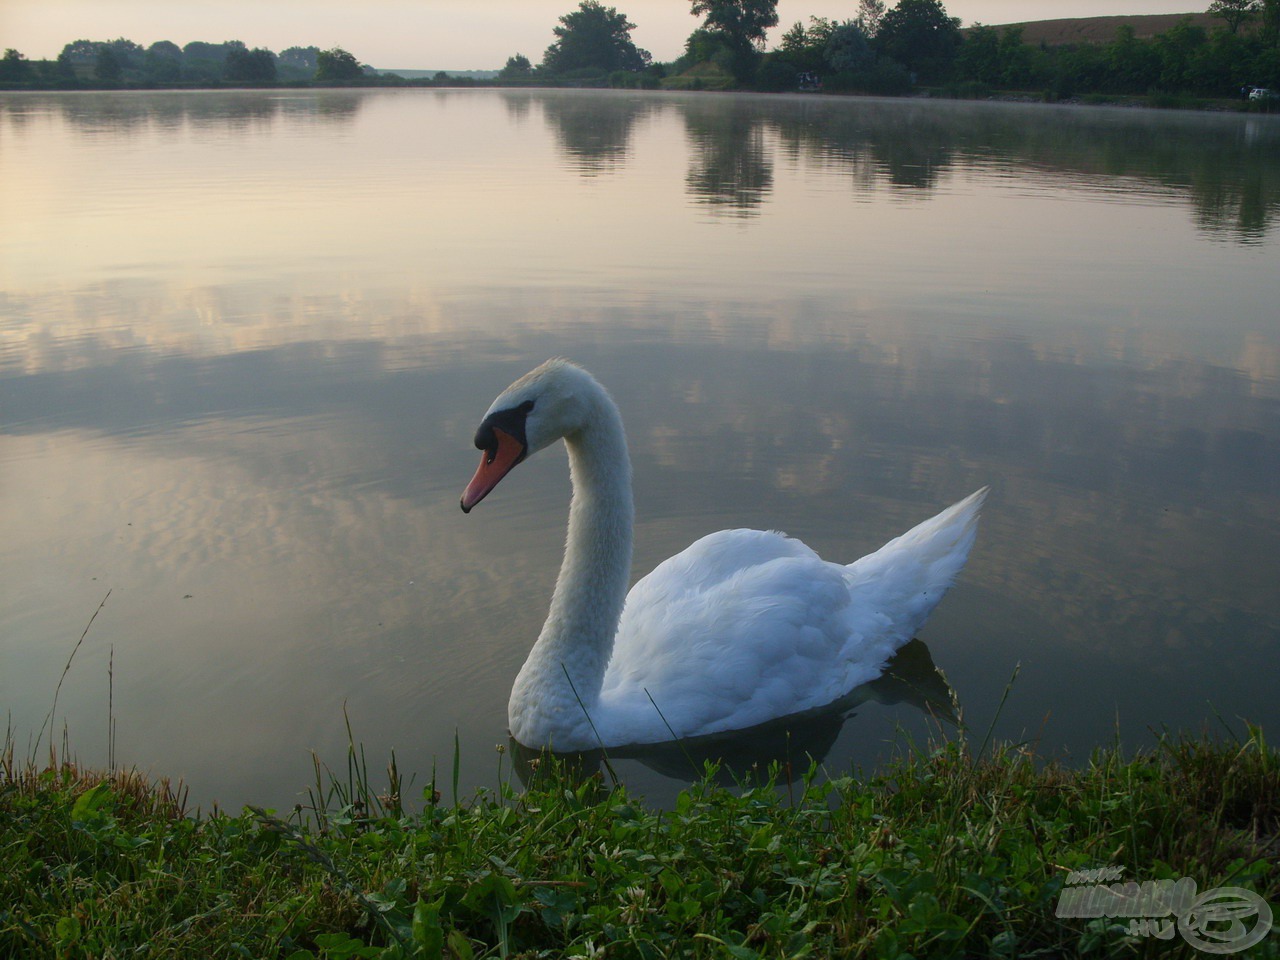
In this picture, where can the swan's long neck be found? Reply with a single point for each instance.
(566, 667)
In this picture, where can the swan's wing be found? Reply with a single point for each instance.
(742, 627)
(910, 573)
(746, 626)
(710, 562)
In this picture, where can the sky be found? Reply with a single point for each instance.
(443, 34)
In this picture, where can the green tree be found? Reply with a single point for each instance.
(203, 62)
(129, 53)
(106, 65)
(64, 71)
(81, 51)
(739, 28)
(795, 39)
(920, 36)
(163, 62)
(249, 66)
(1221, 63)
(518, 67)
(165, 48)
(199, 50)
(596, 38)
(744, 23)
(14, 67)
(1131, 66)
(804, 48)
(996, 56)
(108, 59)
(1017, 60)
(337, 64)
(706, 46)
(303, 58)
(702, 45)
(1271, 22)
(979, 56)
(1181, 54)
(126, 54)
(776, 73)
(848, 47)
(870, 13)
(1234, 12)
(297, 63)
(839, 53)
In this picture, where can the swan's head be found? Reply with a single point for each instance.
(553, 401)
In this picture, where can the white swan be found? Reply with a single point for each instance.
(740, 628)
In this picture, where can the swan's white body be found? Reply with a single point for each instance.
(741, 628)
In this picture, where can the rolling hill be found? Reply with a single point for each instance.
(1056, 33)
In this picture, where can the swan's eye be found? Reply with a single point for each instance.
(511, 422)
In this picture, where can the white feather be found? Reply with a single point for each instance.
(742, 627)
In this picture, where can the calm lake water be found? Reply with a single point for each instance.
(245, 339)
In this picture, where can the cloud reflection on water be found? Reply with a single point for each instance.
(306, 500)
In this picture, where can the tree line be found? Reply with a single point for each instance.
(122, 62)
(878, 49)
(887, 50)
(1230, 60)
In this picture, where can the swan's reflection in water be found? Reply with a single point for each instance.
(789, 744)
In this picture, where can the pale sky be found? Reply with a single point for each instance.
(442, 34)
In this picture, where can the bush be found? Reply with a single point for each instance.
(703, 76)
(634, 80)
(885, 78)
(585, 77)
(776, 75)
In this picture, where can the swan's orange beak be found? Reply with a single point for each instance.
(494, 465)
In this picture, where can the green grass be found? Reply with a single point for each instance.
(943, 854)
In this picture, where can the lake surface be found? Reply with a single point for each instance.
(245, 339)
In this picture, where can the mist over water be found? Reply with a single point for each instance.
(245, 339)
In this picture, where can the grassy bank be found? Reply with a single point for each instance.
(943, 854)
